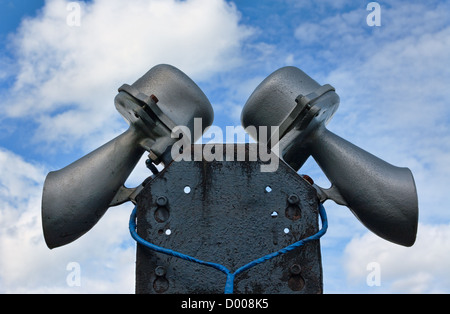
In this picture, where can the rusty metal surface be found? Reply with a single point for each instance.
(228, 212)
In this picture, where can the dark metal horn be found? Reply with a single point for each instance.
(76, 197)
(383, 197)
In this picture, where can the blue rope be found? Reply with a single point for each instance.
(229, 286)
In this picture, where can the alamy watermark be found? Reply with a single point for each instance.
(374, 17)
(214, 150)
(373, 279)
(74, 16)
(73, 279)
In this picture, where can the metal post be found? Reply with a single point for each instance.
(228, 212)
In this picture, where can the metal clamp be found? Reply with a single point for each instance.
(303, 110)
(151, 102)
(308, 99)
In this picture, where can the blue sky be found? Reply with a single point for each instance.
(58, 82)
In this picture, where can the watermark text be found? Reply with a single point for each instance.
(374, 17)
(73, 19)
(373, 279)
(73, 279)
(214, 149)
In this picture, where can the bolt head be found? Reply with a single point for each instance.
(160, 271)
(293, 199)
(295, 269)
(154, 98)
(308, 179)
(162, 201)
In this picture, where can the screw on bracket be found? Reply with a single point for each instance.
(161, 284)
(293, 199)
(162, 201)
(308, 179)
(296, 282)
(160, 271)
(295, 269)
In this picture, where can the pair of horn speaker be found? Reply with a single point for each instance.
(383, 197)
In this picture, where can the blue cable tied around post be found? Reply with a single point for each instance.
(229, 286)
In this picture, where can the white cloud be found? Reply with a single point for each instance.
(67, 77)
(106, 255)
(419, 269)
(17, 176)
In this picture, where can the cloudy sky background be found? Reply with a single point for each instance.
(57, 85)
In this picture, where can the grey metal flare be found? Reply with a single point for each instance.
(76, 197)
(383, 197)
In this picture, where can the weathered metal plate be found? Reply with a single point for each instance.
(231, 213)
